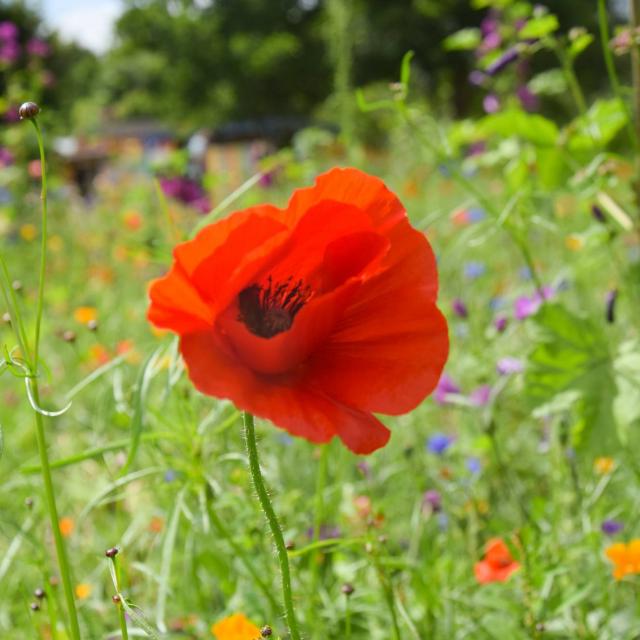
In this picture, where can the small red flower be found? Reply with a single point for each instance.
(315, 316)
(498, 563)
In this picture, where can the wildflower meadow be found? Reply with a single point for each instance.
(320, 320)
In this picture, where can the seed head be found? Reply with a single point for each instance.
(347, 589)
(92, 325)
(28, 110)
(69, 336)
(116, 599)
(40, 593)
(28, 502)
(266, 631)
(112, 552)
(35, 606)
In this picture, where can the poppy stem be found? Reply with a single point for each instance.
(274, 525)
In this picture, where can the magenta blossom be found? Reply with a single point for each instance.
(491, 103)
(509, 365)
(9, 51)
(38, 48)
(6, 157)
(446, 388)
(187, 191)
(480, 396)
(8, 30)
(527, 306)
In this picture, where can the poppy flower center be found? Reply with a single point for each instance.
(269, 309)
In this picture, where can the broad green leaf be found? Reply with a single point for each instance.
(534, 128)
(580, 44)
(539, 27)
(552, 168)
(463, 40)
(626, 406)
(598, 127)
(571, 359)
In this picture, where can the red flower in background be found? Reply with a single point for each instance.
(498, 563)
(315, 316)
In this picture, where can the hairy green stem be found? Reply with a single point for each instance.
(274, 525)
(634, 11)
(50, 498)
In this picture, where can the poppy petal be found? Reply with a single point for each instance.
(284, 400)
(192, 253)
(367, 193)
(176, 305)
(394, 332)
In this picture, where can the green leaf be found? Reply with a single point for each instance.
(552, 168)
(463, 40)
(571, 359)
(626, 406)
(580, 44)
(539, 27)
(534, 128)
(598, 127)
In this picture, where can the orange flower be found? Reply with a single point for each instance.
(83, 591)
(85, 315)
(625, 557)
(498, 563)
(235, 627)
(67, 525)
(98, 354)
(604, 465)
(28, 232)
(315, 316)
(132, 220)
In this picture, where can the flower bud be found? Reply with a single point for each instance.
(347, 589)
(28, 110)
(39, 593)
(266, 631)
(112, 552)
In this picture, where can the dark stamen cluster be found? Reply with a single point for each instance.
(269, 309)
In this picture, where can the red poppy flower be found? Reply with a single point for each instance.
(498, 563)
(315, 316)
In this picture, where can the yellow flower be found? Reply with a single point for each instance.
(28, 232)
(604, 465)
(573, 242)
(55, 243)
(235, 627)
(83, 591)
(85, 315)
(625, 558)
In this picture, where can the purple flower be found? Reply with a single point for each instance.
(611, 527)
(500, 323)
(490, 23)
(170, 475)
(6, 157)
(187, 191)
(432, 499)
(527, 306)
(509, 56)
(446, 387)
(491, 103)
(598, 213)
(480, 396)
(474, 269)
(474, 465)
(459, 308)
(490, 42)
(610, 300)
(9, 51)
(438, 443)
(477, 78)
(364, 468)
(507, 366)
(527, 98)
(326, 532)
(8, 30)
(476, 214)
(476, 149)
(11, 115)
(38, 48)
